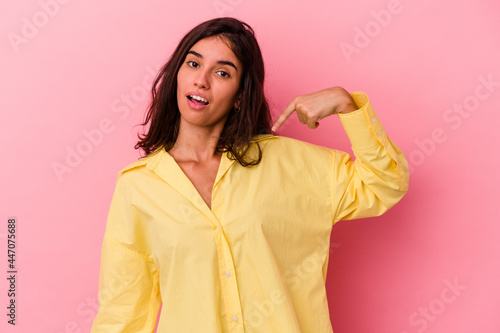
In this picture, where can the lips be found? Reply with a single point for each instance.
(197, 101)
(197, 98)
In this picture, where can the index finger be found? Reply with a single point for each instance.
(284, 116)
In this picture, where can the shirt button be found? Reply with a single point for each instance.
(218, 228)
(228, 273)
(380, 133)
(374, 119)
(235, 318)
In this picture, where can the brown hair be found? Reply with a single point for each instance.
(253, 117)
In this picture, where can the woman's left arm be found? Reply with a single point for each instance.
(378, 177)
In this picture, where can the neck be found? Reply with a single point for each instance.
(196, 143)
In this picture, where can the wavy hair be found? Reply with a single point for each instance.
(253, 117)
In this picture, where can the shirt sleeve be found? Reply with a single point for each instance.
(128, 296)
(378, 177)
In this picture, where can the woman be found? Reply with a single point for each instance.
(225, 223)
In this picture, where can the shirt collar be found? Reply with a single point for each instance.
(165, 166)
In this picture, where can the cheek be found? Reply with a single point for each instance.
(230, 93)
(179, 79)
(182, 76)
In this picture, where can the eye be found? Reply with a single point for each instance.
(223, 73)
(193, 64)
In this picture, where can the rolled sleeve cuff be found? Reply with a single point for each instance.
(362, 126)
(365, 131)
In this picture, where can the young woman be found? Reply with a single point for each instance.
(224, 222)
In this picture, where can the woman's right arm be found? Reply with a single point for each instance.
(128, 296)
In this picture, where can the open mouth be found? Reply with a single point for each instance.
(197, 99)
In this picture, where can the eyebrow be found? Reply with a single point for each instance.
(221, 62)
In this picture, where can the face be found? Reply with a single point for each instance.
(208, 82)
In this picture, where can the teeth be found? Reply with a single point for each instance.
(198, 98)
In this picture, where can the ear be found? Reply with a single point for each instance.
(238, 100)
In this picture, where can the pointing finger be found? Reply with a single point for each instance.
(284, 116)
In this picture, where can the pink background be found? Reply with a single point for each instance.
(74, 69)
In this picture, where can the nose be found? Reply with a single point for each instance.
(201, 79)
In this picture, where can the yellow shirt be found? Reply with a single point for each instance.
(257, 260)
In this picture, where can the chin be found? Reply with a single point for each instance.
(195, 118)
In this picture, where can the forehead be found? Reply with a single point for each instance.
(215, 48)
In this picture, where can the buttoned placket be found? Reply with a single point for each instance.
(227, 275)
